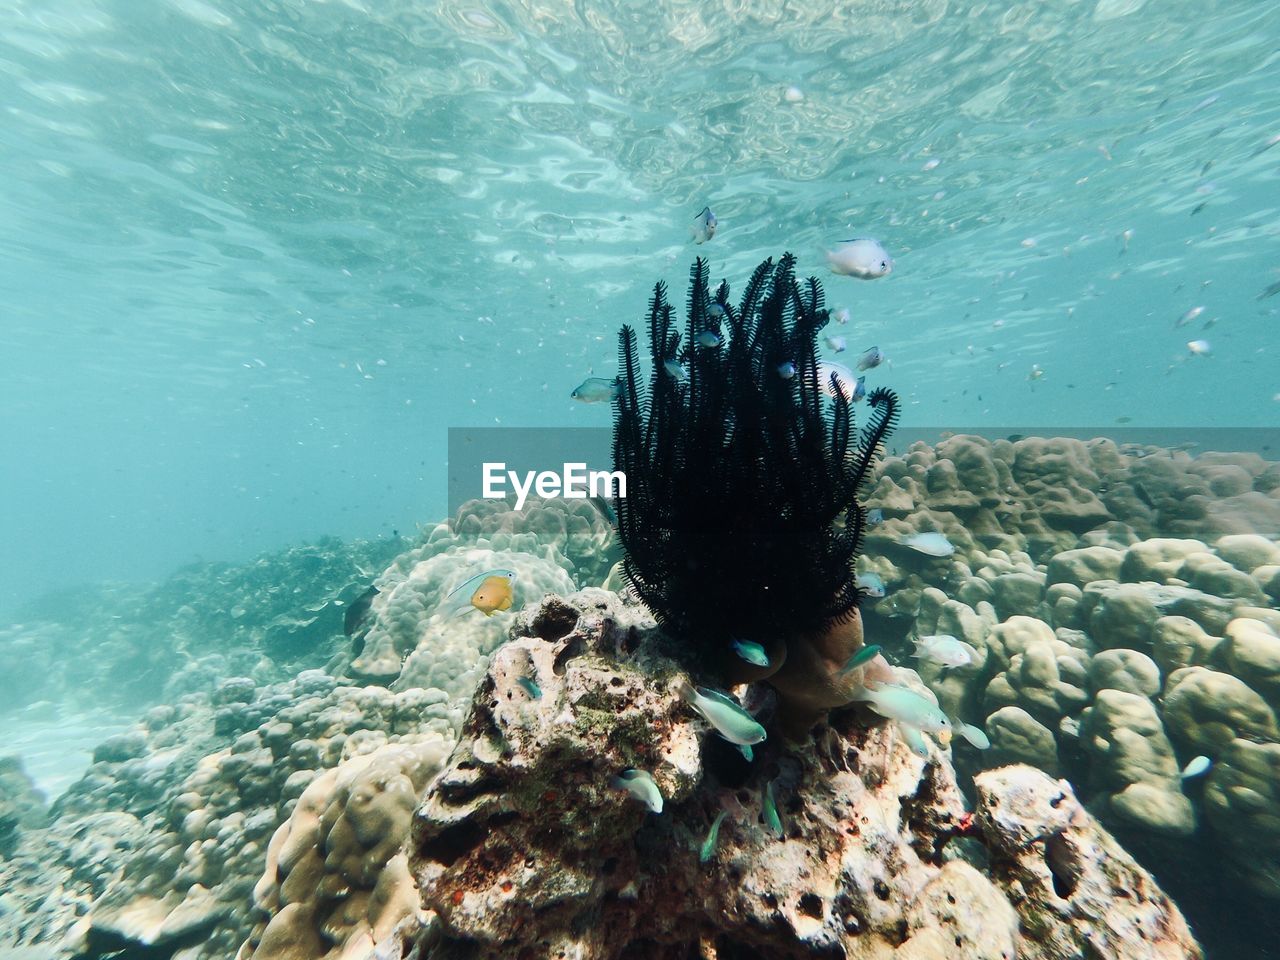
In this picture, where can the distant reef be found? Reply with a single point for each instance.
(320, 769)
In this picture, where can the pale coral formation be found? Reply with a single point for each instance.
(1124, 615)
(410, 616)
(336, 881)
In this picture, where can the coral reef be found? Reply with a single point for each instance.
(411, 640)
(22, 806)
(269, 619)
(1105, 652)
(1121, 603)
(523, 848)
(160, 843)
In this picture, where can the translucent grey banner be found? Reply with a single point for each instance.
(501, 462)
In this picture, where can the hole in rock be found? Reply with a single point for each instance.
(811, 906)
(452, 843)
(1064, 865)
(730, 949)
(555, 620)
(722, 760)
(574, 648)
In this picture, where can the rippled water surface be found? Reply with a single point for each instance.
(258, 256)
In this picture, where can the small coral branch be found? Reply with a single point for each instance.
(743, 466)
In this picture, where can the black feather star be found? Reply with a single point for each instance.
(743, 468)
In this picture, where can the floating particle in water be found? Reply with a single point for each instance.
(793, 94)
(1029, 242)
(931, 164)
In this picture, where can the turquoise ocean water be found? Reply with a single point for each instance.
(257, 257)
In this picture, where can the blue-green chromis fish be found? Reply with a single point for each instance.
(751, 652)
(529, 687)
(907, 707)
(915, 740)
(640, 785)
(862, 657)
(1196, 768)
(595, 390)
(872, 585)
(769, 808)
(730, 720)
(975, 735)
(709, 845)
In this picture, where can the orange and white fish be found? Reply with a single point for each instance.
(488, 592)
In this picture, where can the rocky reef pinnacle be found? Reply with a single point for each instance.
(523, 848)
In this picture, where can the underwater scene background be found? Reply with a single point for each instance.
(260, 693)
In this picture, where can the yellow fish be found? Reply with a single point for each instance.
(487, 592)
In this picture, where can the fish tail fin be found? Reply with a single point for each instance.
(686, 692)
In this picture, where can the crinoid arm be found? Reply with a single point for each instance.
(741, 518)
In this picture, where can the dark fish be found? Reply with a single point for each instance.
(1015, 437)
(1271, 291)
(605, 509)
(357, 611)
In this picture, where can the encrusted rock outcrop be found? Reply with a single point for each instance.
(523, 848)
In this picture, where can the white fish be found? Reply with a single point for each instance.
(855, 388)
(1187, 317)
(975, 735)
(1197, 767)
(861, 257)
(841, 315)
(676, 369)
(1199, 348)
(793, 94)
(872, 584)
(730, 720)
(786, 370)
(945, 649)
(872, 358)
(914, 739)
(933, 544)
(837, 344)
(595, 390)
(905, 706)
(640, 785)
(708, 339)
(1036, 372)
(704, 226)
